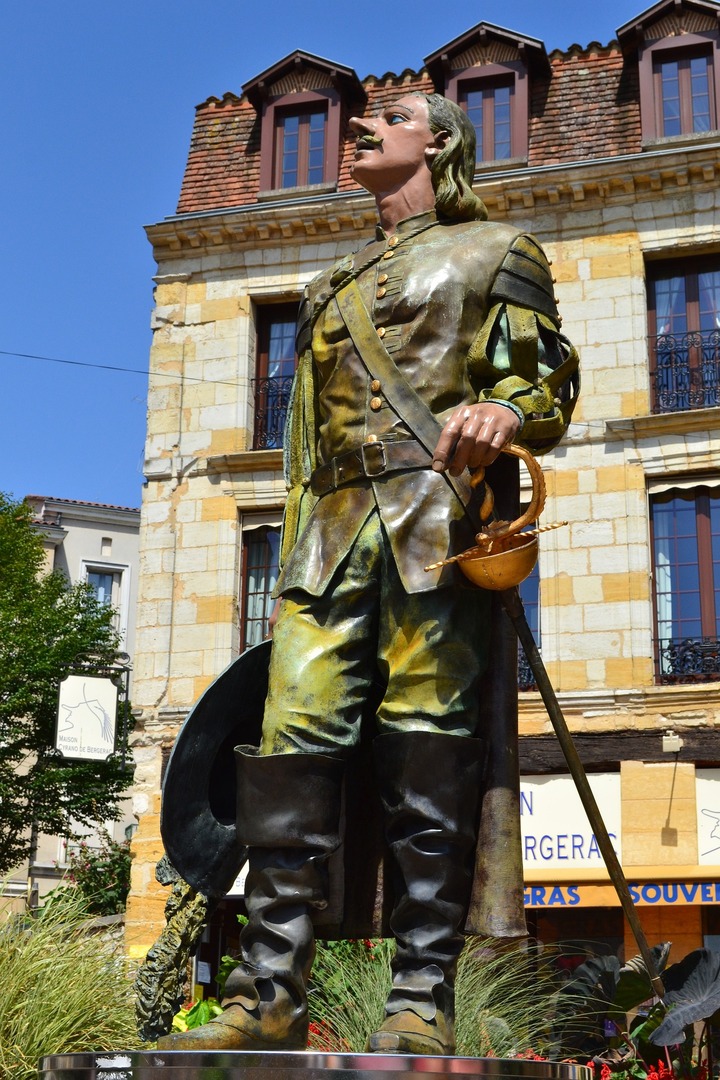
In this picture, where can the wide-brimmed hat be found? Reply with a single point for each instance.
(197, 819)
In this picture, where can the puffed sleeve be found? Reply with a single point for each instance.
(519, 358)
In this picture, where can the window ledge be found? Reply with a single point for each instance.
(663, 423)
(291, 192)
(695, 138)
(243, 461)
(485, 167)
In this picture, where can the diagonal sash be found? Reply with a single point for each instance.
(396, 388)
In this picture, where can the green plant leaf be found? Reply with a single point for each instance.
(634, 984)
(581, 1006)
(692, 994)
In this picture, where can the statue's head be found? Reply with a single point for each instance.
(415, 134)
(452, 170)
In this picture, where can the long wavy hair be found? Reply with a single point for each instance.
(452, 170)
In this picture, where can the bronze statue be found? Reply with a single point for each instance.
(421, 356)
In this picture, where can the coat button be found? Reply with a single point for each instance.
(388, 255)
(382, 278)
(375, 386)
(371, 439)
(393, 241)
(380, 293)
(381, 331)
(375, 403)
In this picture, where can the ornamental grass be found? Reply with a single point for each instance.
(66, 988)
(503, 998)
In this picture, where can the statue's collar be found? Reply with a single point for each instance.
(408, 226)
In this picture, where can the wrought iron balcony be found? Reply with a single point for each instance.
(686, 371)
(685, 660)
(272, 397)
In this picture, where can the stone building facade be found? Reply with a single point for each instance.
(609, 155)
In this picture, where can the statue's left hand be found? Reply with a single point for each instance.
(473, 436)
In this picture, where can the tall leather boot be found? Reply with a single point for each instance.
(429, 784)
(288, 816)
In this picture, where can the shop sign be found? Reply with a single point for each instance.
(707, 799)
(644, 894)
(87, 718)
(556, 833)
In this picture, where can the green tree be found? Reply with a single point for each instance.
(47, 630)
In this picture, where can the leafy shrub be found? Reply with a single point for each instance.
(196, 1014)
(102, 875)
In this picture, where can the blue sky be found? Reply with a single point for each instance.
(98, 102)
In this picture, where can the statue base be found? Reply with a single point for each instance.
(287, 1065)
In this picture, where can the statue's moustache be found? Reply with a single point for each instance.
(368, 142)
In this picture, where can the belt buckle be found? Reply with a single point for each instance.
(367, 449)
(337, 474)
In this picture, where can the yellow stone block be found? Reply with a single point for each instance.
(608, 243)
(225, 441)
(558, 590)
(149, 824)
(643, 671)
(144, 921)
(634, 403)
(200, 685)
(632, 586)
(218, 508)
(659, 814)
(610, 266)
(562, 483)
(215, 609)
(641, 781)
(567, 674)
(564, 270)
(217, 310)
(619, 672)
(148, 851)
(196, 292)
(680, 925)
(612, 478)
(169, 293)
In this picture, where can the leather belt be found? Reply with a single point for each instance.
(368, 461)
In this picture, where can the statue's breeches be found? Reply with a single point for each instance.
(329, 653)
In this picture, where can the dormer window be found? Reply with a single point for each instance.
(684, 93)
(300, 139)
(299, 102)
(489, 105)
(487, 72)
(678, 49)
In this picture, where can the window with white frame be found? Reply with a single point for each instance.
(259, 574)
(110, 582)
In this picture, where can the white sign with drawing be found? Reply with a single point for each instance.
(707, 798)
(87, 716)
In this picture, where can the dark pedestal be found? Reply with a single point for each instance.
(248, 1065)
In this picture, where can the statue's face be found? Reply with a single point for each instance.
(394, 146)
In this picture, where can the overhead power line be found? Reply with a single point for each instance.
(113, 367)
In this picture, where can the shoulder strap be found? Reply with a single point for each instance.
(396, 388)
